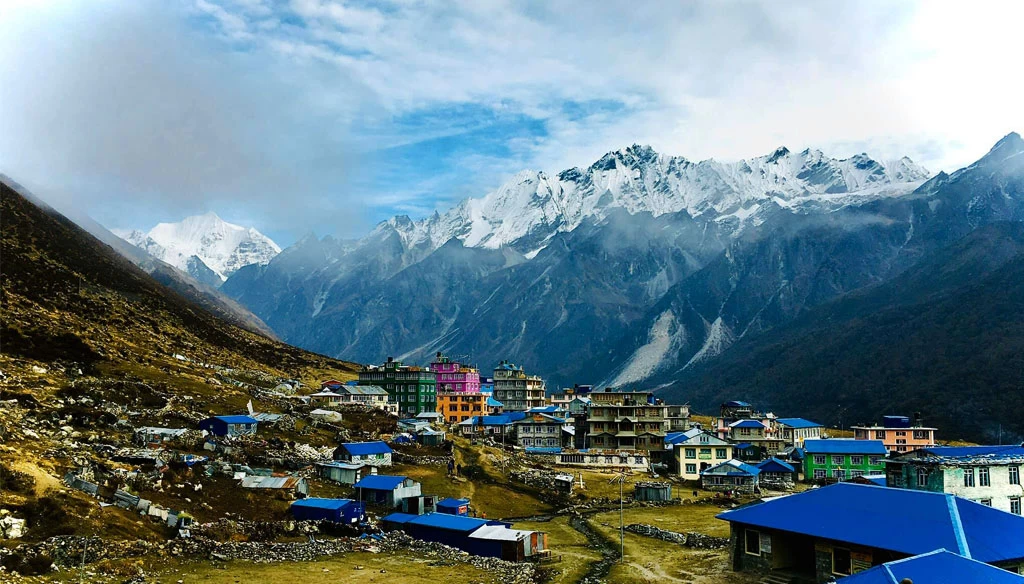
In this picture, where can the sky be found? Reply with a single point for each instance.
(331, 115)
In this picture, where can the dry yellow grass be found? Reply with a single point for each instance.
(570, 547)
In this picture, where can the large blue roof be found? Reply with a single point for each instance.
(317, 503)
(380, 482)
(899, 520)
(451, 502)
(936, 566)
(450, 522)
(798, 423)
(399, 518)
(236, 419)
(364, 448)
(844, 446)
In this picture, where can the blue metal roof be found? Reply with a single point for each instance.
(491, 402)
(449, 522)
(317, 503)
(733, 468)
(543, 410)
(380, 482)
(936, 566)
(451, 502)
(970, 451)
(899, 520)
(236, 419)
(743, 446)
(798, 423)
(747, 424)
(844, 446)
(364, 448)
(775, 465)
(400, 518)
(543, 449)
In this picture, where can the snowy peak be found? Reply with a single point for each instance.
(529, 209)
(205, 244)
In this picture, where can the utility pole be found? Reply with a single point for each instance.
(621, 478)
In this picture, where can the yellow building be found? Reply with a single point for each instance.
(697, 450)
(460, 406)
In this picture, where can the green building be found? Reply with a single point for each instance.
(839, 459)
(414, 389)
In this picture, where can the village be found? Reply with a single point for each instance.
(513, 483)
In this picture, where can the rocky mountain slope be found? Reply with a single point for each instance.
(552, 270)
(205, 246)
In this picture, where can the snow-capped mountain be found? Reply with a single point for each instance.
(205, 246)
(529, 209)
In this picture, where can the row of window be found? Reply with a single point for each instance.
(526, 429)
(720, 453)
(837, 473)
(855, 460)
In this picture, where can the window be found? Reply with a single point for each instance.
(1014, 473)
(720, 453)
(857, 460)
(745, 431)
(875, 460)
(691, 453)
(879, 434)
(753, 542)
(841, 563)
(920, 434)
(985, 502)
(968, 477)
(857, 473)
(836, 459)
(691, 469)
(705, 453)
(819, 473)
(839, 474)
(819, 459)
(1015, 505)
(922, 477)
(983, 479)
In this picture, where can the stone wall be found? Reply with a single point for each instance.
(690, 539)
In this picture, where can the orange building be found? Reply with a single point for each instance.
(897, 433)
(460, 406)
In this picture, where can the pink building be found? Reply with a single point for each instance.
(455, 377)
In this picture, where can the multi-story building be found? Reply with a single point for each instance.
(412, 388)
(898, 434)
(539, 430)
(990, 475)
(453, 376)
(516, 390)
(696, 451)
(838, 459)
(460, 406)
(568, 394)
(626, 420)
(758, 436)
(678, 418)
(793, 431)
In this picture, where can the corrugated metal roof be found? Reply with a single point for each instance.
(844, 446)
(451, 502)
(364, 448)
(499, 533)
(798, 423)
(775, 465)
(899, 520)
(936, 566)
(746, 424)
(260, 482)
(732, 468)
(380, 482)
(318, 503)
(400, 518)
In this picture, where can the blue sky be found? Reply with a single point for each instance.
(331, 115)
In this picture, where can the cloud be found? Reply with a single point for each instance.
(319, 112)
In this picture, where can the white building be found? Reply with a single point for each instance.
(990, 475)
(696, 450)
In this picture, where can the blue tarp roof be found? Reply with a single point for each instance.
(236, 419)
(936, 566)
(491, 402)
(899, 520)
(451, 502)
(449, 522)
(844, 446)
(747, 424)
(775, 465)
(543, 449)
(798, 423)
(380, 482)
(364, 448)
(317, 503)
(543, 410)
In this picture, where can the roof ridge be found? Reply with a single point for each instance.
(958, 526)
